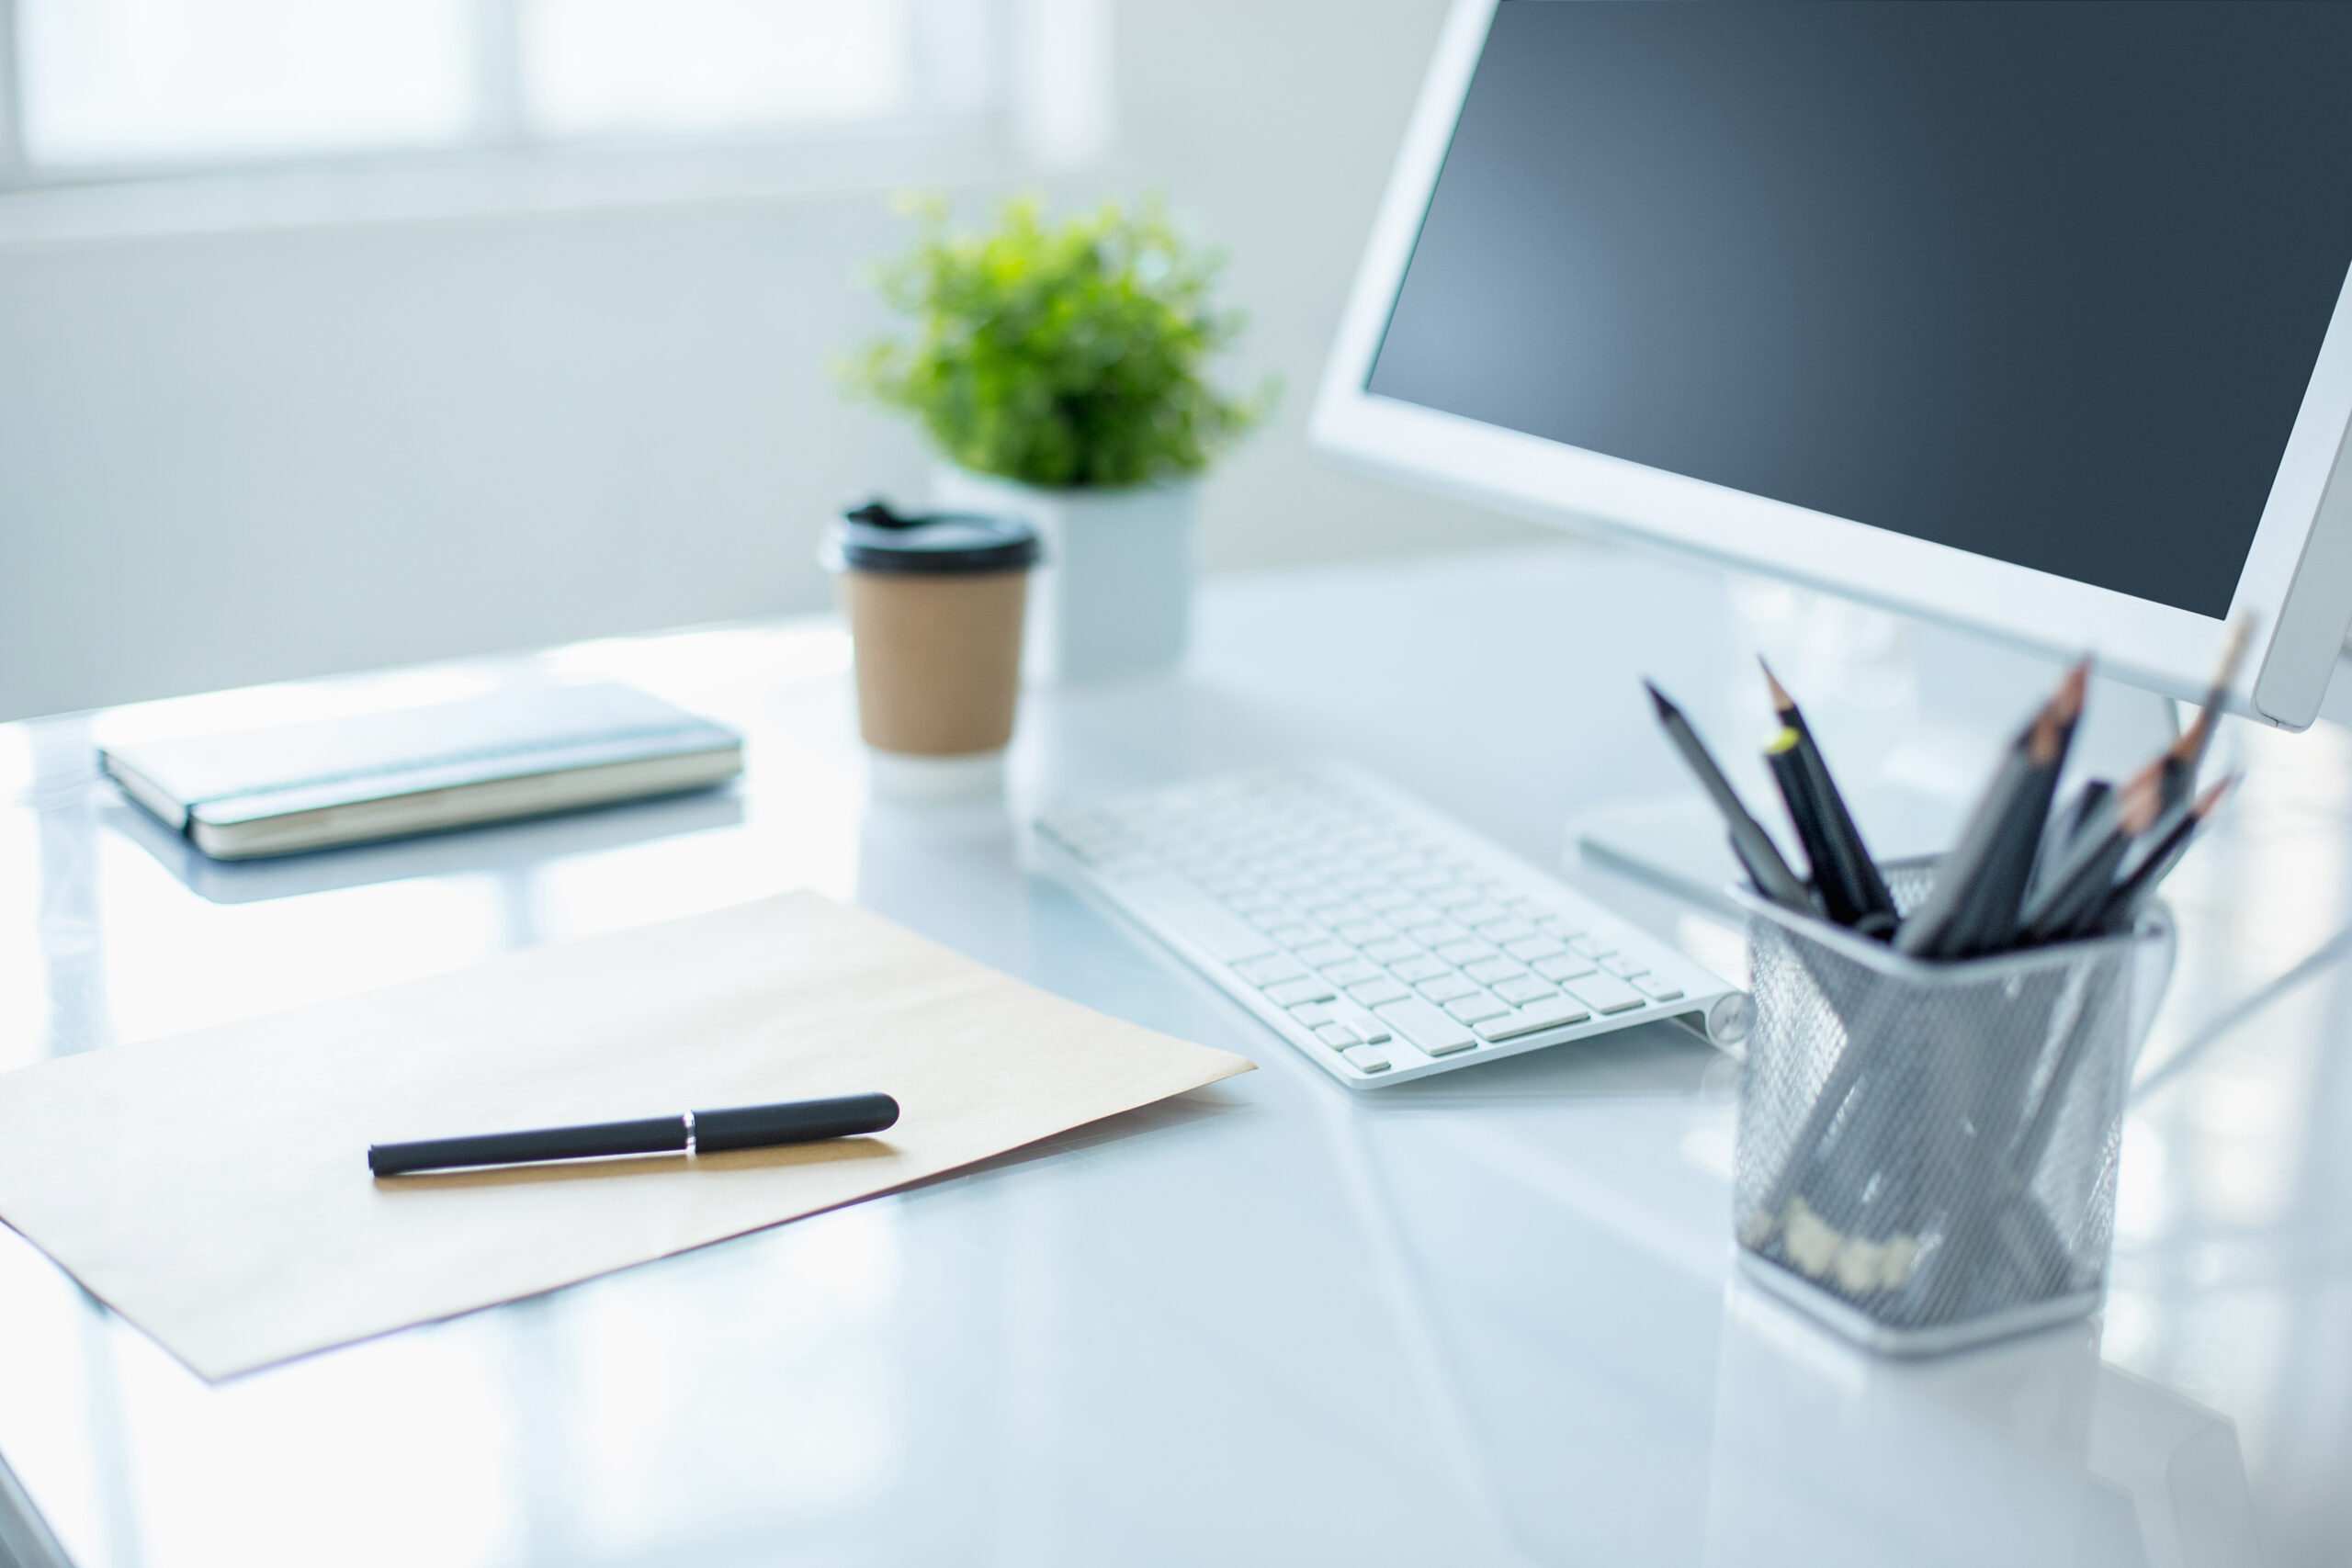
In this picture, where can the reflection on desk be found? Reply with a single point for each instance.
(1487, 1319)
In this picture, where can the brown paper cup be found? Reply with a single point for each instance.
(938, 659)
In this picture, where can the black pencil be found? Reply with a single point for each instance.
(2078, 887)
(1795, 785)
(1991, 922)
(2136, 887)
(1749, 842)
(2185, 755)
(1848, 865)
(2232, 652)
(2067, 825)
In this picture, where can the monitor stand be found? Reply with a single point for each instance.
(1911, 717)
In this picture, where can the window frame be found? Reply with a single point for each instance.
(500, 151)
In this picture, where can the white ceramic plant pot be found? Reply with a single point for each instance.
(1114, 595)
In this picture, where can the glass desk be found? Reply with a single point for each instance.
(1486, 1318)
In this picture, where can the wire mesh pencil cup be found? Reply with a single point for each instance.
(1927, 1151)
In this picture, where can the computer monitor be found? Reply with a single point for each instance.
(2031, 318)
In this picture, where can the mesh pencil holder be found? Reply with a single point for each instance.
(1928, 1150)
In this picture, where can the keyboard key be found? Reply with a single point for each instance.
(1446, 988)
(1314, 1015)
(1481, 913)
(1298, 933)
(1339, 914)
(1556, 1013)
(1352, 972)
(1464, 952)
(1476, 1010)
(1290, 993)
(1366, 1058)
(1523, 989)
(1625, 968)
(1267, 970)
(1322, 953)
(1436, 1034)
(1360, 932)
(1503, 933)
(1605, 993)
(1338, 1036)
(1566, 966)
(1378, 993)
(1363, 1022)
(1528, 949)
(1451, 896)
(1386, 901)
(1195, 914)
(1656, 988)
(1391, 950)
(1420, 967)
(1592, 946)
(1437, 933)
(1486, 971)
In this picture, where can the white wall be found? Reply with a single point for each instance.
(240, 457)
(1271, 124)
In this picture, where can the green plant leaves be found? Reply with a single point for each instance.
(1066, 355)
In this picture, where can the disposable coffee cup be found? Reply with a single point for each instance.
(936, 605)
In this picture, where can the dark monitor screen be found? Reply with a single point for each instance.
(2044, 282)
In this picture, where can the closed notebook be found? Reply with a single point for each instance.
(343, 781)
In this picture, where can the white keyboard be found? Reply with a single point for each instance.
(1379, 937)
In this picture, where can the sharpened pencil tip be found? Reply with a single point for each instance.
(2046, 737)
(1664, 707)
(2191, 743)
(1781, 698)
(2068, 702)
(2142, 799)
(2213, 798)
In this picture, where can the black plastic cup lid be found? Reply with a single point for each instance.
(936, 544)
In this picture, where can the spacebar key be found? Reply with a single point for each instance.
(1435, 1033)
(1195, 914)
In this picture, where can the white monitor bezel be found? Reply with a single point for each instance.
(2296, 587)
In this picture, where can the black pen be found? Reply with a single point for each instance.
(1850, 861)
(695, 1132)
(1749, 842)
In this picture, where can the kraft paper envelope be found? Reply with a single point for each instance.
(214, 1189)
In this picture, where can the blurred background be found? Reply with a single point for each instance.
(336, 333)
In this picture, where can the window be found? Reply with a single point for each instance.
(109, 89)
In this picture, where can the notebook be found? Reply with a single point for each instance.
(345, 781)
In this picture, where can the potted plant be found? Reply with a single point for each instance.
(1059, 371)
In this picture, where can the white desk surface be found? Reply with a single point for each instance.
(1485, 1319)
